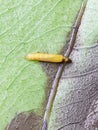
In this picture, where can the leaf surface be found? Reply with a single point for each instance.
(26, 27)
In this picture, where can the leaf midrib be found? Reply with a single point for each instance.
(61, 67)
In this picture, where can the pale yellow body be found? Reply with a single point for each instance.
(46, 57)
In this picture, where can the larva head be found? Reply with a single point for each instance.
(66, 59)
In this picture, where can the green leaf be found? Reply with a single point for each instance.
(26, 27)
(78, 86)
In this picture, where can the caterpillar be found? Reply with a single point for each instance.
(55, 58)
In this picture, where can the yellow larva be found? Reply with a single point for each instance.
(56, 58)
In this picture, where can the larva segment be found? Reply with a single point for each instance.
(47, 57)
